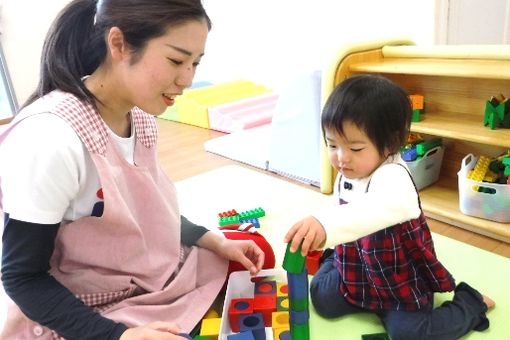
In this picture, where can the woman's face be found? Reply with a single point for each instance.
(166, 67)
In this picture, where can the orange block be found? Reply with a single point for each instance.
(416, 101)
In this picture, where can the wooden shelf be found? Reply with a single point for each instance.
(441, 202)
(461, 127)
(482, 69)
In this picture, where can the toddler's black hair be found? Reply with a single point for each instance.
(376, 105)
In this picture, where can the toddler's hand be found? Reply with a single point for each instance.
(309, 231)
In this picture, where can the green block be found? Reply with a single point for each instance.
(300, 331)
(416, 115)
(298, 305)
(294, 262)
(423, 147)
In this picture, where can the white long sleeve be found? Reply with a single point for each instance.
(390, 199)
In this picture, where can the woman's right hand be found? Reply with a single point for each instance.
(158, 330)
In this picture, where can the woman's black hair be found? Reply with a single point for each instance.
(75, 44)
(376, 105)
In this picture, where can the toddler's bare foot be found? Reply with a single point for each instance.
(489, 302)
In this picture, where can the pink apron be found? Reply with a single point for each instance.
(129, 263)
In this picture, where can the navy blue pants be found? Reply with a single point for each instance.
(451, 320)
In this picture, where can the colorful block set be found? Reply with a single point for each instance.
(248, 317)
(233, 217)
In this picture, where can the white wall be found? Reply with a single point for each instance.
(269, 40)
(266, 41)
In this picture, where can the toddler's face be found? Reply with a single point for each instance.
(353, 154)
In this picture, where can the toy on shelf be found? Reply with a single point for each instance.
(417, 105)
(297, 280)
(483, 187)
(423, 158)
(497, 112)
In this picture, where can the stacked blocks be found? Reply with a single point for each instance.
(192, 107)
(239, 307)
(233, 217)
(297, 279)
(417, 105)
(497, 113)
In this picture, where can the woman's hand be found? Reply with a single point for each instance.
(246, 252)
(309, 231)
(158, 330)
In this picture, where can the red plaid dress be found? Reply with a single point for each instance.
(393, 269)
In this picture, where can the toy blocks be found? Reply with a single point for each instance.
(297, 280)
(254, 323)
(192, 106)
(241, 336)
(497, 113)
(265, 288)
(265, 305)
(312, 261)
(210, 328)
(481, 167)
(243, 114)
(237, 308)
(249, 216)
(293, 262)
(417, 106)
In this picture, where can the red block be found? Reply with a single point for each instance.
(266, 305)
(237, 308)
(312, 261)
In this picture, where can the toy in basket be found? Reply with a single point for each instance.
(424, 159)
(482, 199)
(255, 308)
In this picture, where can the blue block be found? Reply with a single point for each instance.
(299, 317)
(298, 285)
(254, 323)
(185, 336)
(254, 221)
(409, 155)
(248, 335)
(285, 335)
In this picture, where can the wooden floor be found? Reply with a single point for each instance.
(181, 150)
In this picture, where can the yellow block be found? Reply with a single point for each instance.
(192, 106)
(280, 319)
(211, 328)
(278, 331)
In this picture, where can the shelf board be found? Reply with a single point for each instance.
(461, 127)
(442, 203)
(484, 69)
